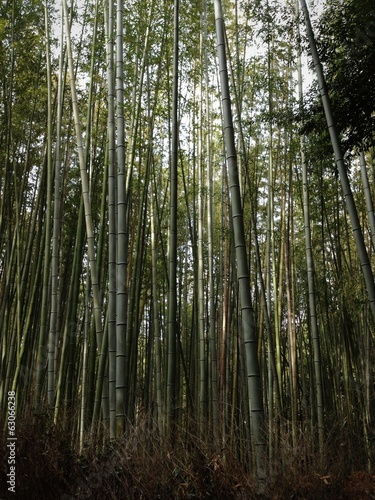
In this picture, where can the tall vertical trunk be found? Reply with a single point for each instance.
(122, 357)
(270, 242)
(172, 250)
(314, 327)
(156, 322)
(243, 275)
(210, 235)
(288, 255)
(85, 185)
(55, 236)
(43, 357)
(224, 317)
(112, 223)
(368, 197)
(201, 299)
(70, 326)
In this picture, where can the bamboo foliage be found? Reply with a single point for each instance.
(356, 227)
(189, 262)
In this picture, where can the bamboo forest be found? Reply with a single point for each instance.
(187, 249)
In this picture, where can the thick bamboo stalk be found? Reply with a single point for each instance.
(112, 223)
(122, 357)
(172, 249)
(243, 276)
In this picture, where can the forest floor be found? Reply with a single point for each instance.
(142, 467)
(359, 485)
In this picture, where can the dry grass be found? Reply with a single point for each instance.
(143, 466)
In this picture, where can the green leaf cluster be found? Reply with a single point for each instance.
(346, 43)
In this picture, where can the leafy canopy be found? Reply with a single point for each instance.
(346, 42)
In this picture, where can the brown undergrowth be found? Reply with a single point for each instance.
(143, 466)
